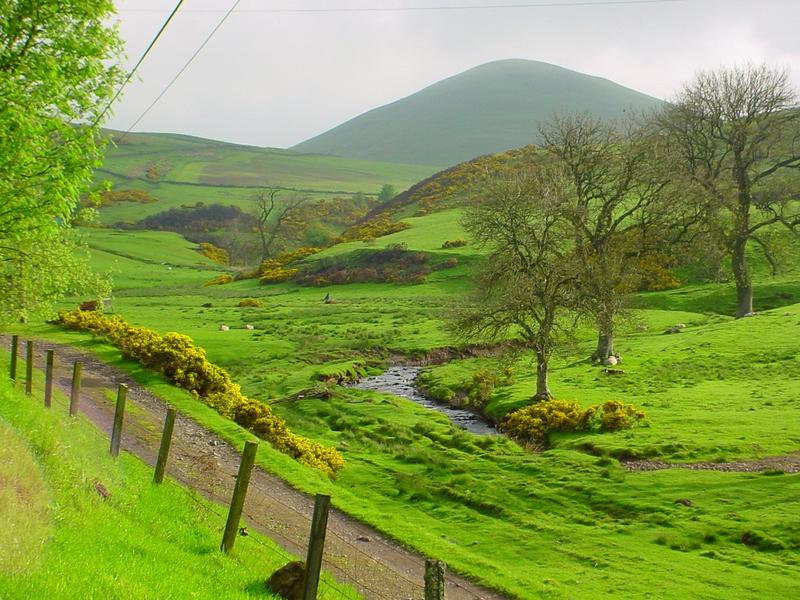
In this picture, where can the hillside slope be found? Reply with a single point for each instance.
(487, 109)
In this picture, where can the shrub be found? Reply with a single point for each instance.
(251, 303)
(482, 386)
(533, 424)
(219, 280)
(459, 243)
(185, 364)
(215, 253)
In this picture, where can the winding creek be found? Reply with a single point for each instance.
(400, 381)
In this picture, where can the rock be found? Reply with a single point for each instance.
(363, 538)
(249, 327)
(224, 328)
(287, 582)
(207, 305)
(684, 501)
(750, 314)
(610, 361)
(674, 329)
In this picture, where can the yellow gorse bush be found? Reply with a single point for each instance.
(533, 424)
(185, 364)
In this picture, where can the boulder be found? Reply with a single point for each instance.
(287, 582)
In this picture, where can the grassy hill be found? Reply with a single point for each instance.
(487, 109)
(60, 539)
(568, 522)
(178, 169)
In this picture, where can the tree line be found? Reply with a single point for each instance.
(572, 232)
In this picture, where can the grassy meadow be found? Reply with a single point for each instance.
(60, 539)
(570, 522)
(179, 169)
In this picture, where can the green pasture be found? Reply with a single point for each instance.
(197, 170)
(569, 522)
(61, 539)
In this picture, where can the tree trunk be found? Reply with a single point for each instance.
(605, 338)
(542, 389)
(741, 275)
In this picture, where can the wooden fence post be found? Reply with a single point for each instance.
(239, 494)
(14, 351)
(75, 394)
(166, 440)
(119, 415)
(316, 545)
(434, 580)
(48, 378)
(29, 367)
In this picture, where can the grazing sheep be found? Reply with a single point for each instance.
(224, 328)
(249, 327)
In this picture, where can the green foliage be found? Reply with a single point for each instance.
(184, 364)
(459, 243)
(56, 71)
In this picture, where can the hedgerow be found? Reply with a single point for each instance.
(532, 425)
(185, 364)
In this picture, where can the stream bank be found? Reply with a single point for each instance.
(400, 380)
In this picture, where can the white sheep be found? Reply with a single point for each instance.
(224, 328)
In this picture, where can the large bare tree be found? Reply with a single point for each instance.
(526, 286)
(735, 135)
(615, 205)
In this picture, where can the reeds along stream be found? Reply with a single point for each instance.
(400, 381)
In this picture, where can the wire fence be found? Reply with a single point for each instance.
(353, 554)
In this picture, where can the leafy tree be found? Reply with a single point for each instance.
(57, 74)
(734, 134)
(387, 193)
(614, 208)
(527, 286)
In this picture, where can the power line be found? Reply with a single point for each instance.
(140, 61)
(183, 68)
(579, 3)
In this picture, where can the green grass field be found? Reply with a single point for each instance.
(191, 170)
(60, 539)
(570, 522)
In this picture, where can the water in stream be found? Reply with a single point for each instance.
(400, 381)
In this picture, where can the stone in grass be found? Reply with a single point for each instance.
(287, 582)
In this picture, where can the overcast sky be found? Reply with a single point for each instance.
(278, 78)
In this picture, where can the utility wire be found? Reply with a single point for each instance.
(138, 64)
(579, 3)
(183, 68)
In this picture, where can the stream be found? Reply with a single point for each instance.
(399, 380)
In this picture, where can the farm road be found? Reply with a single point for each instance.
(355, 553)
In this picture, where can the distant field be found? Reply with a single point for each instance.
(184, 170)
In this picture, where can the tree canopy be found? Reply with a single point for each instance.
(57, 74)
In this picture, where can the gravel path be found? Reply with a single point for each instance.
(355, 553)
(789, 463)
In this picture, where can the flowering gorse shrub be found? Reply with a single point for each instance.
(532, 425)
(185, 364)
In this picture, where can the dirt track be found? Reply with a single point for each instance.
(355, 553)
